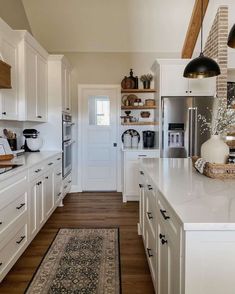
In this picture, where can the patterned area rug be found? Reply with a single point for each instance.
(80, 261)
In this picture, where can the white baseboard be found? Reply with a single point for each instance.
(75, 189)
(132, 197)
(139, 229)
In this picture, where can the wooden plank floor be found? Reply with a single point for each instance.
(92, 210)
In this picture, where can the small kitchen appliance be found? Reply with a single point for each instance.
(148, 139)
(32, 141)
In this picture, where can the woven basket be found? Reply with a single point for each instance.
(216, 170)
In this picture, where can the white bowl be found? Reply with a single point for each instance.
(34, 144)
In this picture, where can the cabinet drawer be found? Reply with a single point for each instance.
(52, 162)
(151, 252)
(137, 155)
(150, 211)
(10, 249)
(168, 217)
(12, 211)
(36, 171)
(67, 183)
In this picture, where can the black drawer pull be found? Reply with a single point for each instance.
(59, 194)
(0, 263)
(163, 241)
(46, 178)
(21, 205)
(65, 187)
(39, 183)
(163, 212)
(38, 170)
(21, 239)
(161, 236)
(150, 187)
(141, 186)
(141, 172)
(59, 158)
(50, 163)
(58, 174)
(39, 116)
(142, 155)
(67, 108)
(149, 214)
(69, 181)
(149, 252)
(1, 223)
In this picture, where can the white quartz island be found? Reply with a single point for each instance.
(188, 226)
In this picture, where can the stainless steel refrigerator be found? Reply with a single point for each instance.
(182, 133)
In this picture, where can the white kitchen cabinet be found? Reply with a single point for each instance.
(13, 220)
(66, 95)
(58, 184)
(172, 82)
(33, 75)
(130, 172)
(9, 54)
(48, 193)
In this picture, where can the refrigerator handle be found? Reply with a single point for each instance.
(190, 132)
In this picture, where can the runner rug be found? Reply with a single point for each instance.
(80, 261)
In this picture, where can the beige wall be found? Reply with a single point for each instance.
(13, 13)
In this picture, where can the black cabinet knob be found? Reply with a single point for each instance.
(161, 236)
(163, 212)
(163, 241)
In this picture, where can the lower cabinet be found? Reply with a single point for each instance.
(130, 172)
(26, 202)
(162, 237)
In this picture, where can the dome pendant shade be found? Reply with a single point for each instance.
(231, 37)
(201, 67)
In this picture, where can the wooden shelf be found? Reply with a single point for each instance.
(138, 91)
(141, 123)
(139, 107)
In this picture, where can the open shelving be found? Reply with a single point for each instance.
(138, 91)
(141, 123)
(138, 107)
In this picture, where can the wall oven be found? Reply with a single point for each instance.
(67, 126)
(67, 157)
(67, 143)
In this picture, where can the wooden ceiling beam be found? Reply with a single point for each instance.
(194, 28)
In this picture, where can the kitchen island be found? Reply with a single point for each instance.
(187, 222)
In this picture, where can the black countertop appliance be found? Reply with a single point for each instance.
(148, 139)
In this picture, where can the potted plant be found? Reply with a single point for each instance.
(146, 80)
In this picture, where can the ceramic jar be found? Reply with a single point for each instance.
(127, 140)
(215, 150)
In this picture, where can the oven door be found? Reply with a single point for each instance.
(67, 157)
(67, 131)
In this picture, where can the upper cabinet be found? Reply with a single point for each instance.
(33, 76)
(59, 81)
(8, 53)
(172, 83)
(66, 95)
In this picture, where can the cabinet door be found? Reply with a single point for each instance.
(9, 97)
(169, 262)
(172, 81)
(68, 94)
(34, 208)
(41, 106)
(31, 82)
(48, 194)
(203, 87)
(131, 178)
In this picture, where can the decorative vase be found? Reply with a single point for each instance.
(146, 84)
(215, 150)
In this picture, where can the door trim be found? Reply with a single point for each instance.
(117, 88)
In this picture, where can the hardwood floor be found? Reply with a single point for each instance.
(92, 210)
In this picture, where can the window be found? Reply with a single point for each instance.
(99, 110)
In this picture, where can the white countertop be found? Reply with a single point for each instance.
(28, 160)
(201, 203)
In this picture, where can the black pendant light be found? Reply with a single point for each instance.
(231, 37)
(202, 66)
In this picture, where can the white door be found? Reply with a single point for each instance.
(99, 139)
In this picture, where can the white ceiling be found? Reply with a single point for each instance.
(109, 25)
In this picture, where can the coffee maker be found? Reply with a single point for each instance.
(32, 142)
(148, 139)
